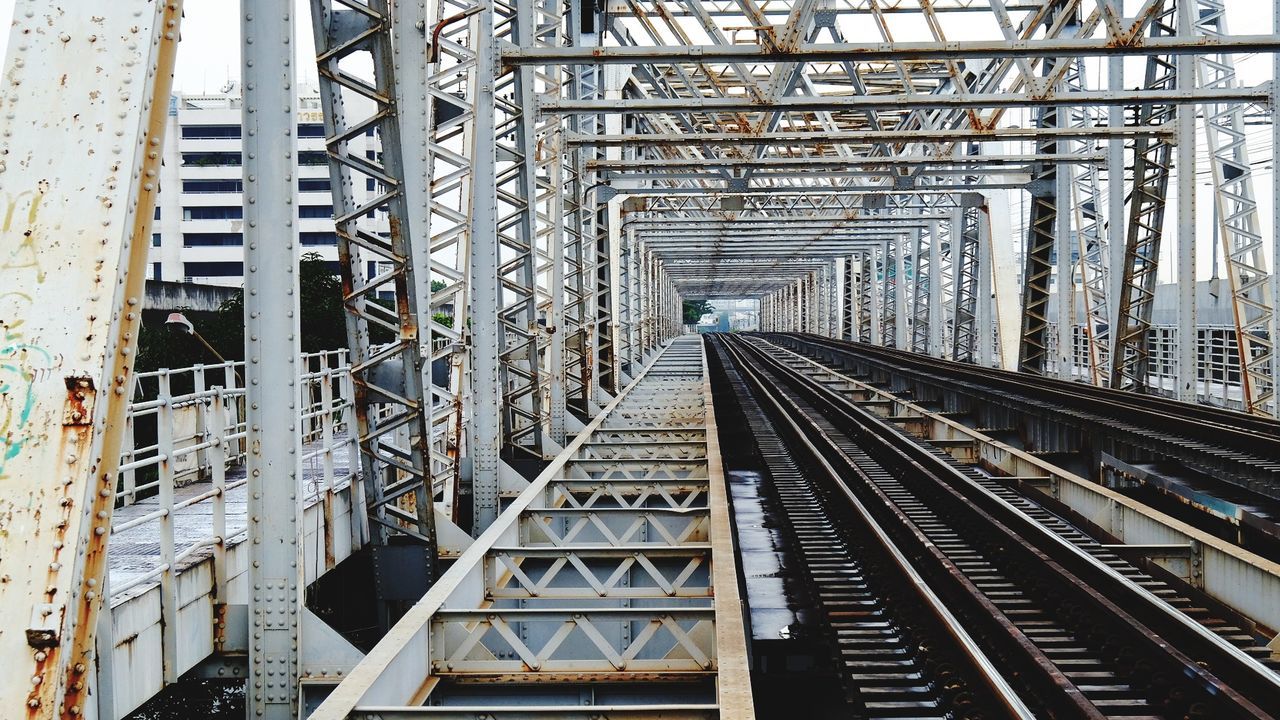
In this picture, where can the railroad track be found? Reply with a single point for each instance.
(1243, 429)
(1228, 462)
(1074, 629)
(895, 649)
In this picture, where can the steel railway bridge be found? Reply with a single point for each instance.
(982, 458)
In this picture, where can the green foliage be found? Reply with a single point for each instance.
(323, 317)
(693, 311)
(323, 324)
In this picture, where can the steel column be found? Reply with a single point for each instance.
(1236, 212)
(1115, 211)
(272, 376)
(1152, 160)
(901, 332)
(986, 337)
(849, 315)
(922, 260)
(1064, 272)
(486, 392)
(1188, 340)
(392, 400)
(1275, 219)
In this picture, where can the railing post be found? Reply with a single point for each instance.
(202, 426)
(168, 557)
(359, 518)
(217, 425)
(326, 457)
(235, 412)
(130, 478)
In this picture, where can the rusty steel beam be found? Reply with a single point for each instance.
(890, 51)
(73, 250)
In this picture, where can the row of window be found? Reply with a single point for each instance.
(232, 132)
(232, 159)
(236, 239)
(235, 186)
(230, 268)
(236, 212)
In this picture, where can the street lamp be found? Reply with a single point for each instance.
(178, 324)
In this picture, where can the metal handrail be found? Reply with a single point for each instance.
(199, 436)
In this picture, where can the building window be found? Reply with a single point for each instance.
(211, 159)
(313, 185)
(318, 238)
(206, 132)
(155, 271)
(155, 239)
(313, 157)
(212, 186)
(213, 212)
(315, 211)
(213, 269)
(311, 130)
(370, 184)
(211, 239)
(156, 214)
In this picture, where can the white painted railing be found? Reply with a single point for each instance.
(195, 437)
(1217, 362)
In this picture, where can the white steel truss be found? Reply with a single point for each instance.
(556, 179)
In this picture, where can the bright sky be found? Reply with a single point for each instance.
(209, 54)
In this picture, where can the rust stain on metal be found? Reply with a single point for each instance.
(80, 400)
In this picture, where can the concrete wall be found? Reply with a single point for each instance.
(169, 296)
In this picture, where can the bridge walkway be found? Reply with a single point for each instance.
(608, 587)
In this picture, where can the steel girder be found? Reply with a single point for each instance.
(388, 364)
(1236, 211)
(965, 330)
(787, 53)
(906, 101)
(1153, 158)
(1091, 243)
(1042, 234)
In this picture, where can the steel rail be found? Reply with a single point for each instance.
(1009, 702)
(1182, 645)
(1018, 650)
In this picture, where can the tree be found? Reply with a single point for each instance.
(695, 309)
(323, 320)
(322, 323)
